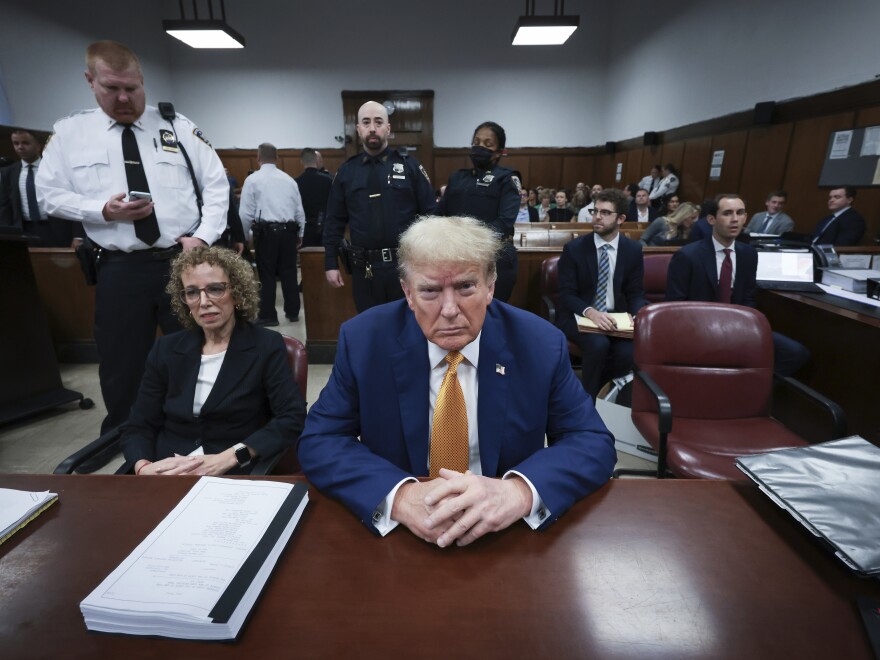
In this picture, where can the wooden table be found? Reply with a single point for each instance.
(843, 337)
(659, 569)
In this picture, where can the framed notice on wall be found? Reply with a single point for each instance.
(852, 158)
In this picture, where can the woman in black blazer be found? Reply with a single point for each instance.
(219, 394)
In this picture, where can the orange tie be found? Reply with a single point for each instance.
(449, 431)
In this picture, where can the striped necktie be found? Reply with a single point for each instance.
(599, 304)
(449, 430)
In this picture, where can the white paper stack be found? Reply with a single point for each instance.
(19, 507)
(198, 574)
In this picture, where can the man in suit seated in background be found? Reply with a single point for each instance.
(600, 273)
(453, 385)
(722, 269)
(640, 209)
(845, 225)
(773, 220)
(526, 213)
(19, 206)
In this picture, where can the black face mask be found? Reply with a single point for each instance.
(482, 157)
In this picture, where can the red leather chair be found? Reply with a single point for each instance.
(656, 265)
(550, 296)
(703, 387)
(287, 462)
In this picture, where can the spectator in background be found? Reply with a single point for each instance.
(544, 208)
(673, 229)
(526, 213)
(773, 220)
(651, 181)
(533, 197)
(640, 209)
(561, 213)
(702, 229)
(845, 226)
(667, 186)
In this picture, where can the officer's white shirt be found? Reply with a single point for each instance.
(270, 195)
(667, 186)
(83, 167)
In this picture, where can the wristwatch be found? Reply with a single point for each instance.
(242, 455)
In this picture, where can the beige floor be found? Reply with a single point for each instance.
(38, 444)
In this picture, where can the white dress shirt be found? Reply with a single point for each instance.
(719, 258)
(83, 167)
(270, 195)
(467, 378)
(584, 213)
(667, 186)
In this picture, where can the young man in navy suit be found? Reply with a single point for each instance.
(372, 431)
(845, 225)
(580, 276)
(722, 269)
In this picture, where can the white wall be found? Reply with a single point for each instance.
(709, 58)
(42, 48)
(699, 59)
(285, 86)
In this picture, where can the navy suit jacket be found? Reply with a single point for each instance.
(693, 274)
(254, 400)
(10, 197)
(369, 429)
(579, 272)
(847, 229)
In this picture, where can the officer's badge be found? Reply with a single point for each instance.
(198, 133)
(422, 170)
(169, 142)
(517, 183)
(398, 168)
(488, 178)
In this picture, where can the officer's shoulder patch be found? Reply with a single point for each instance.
(198, 133)
(516, 182)
(422, 170)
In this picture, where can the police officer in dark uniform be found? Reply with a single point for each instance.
(489, 193)
(314, 187)
(378, 193)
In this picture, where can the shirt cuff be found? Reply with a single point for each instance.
(382, 515)
(539, 513)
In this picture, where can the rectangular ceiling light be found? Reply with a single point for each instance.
(204, 33)
(544, 30)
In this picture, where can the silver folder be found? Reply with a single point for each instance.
(832, 489)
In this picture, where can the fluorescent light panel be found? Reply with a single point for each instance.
(204, 34)
(544, 30)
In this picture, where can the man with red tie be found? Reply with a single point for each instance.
(722, 269)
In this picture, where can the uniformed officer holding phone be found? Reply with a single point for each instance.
(121, 170)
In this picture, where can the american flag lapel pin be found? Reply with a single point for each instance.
(499, 369)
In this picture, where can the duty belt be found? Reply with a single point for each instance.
(366, 258)
(265, 225)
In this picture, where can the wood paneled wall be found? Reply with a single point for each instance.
(786, 154)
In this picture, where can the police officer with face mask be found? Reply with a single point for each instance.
(489, 193)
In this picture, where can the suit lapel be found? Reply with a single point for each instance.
(412, 376)
(709, 265)
(493, 391)
(240, 357)
(189, 359)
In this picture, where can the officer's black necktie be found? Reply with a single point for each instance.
(31, 190)
(146, 229)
